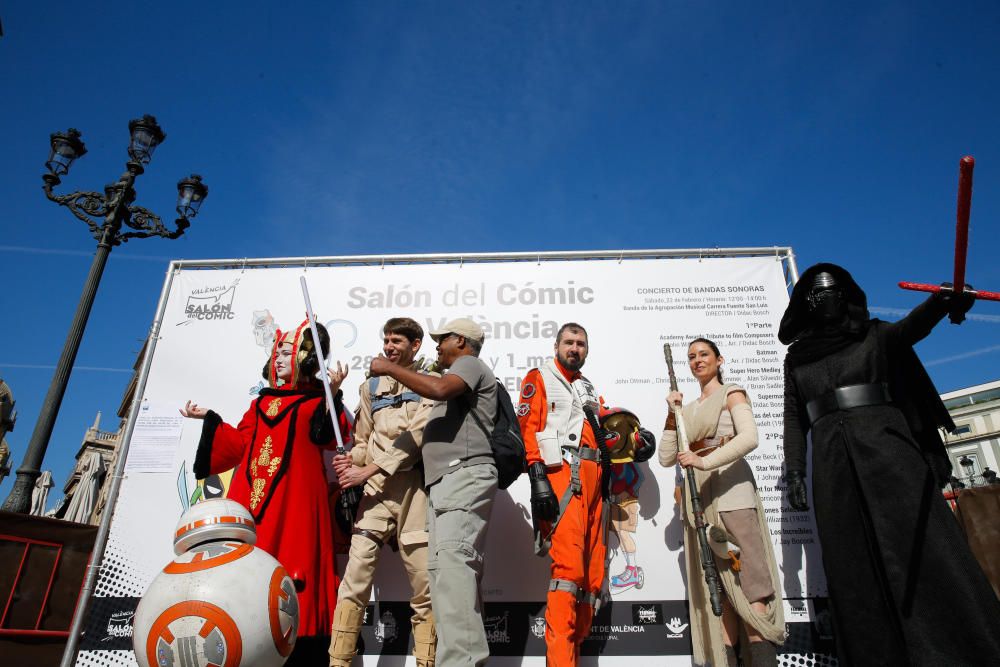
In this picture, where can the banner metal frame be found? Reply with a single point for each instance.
(782, 254)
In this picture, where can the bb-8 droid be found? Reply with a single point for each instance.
(222, 602)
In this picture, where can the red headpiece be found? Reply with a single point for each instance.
(293, 338)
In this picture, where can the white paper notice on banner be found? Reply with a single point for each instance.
(154, 439)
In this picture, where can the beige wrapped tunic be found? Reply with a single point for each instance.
(729, 497)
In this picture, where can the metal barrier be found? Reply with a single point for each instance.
(21, 585)
(46, 560)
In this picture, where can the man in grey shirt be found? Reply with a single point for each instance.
(461, 479)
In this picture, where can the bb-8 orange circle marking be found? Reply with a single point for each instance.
(213, 616)
(201, 563)
(275, 595)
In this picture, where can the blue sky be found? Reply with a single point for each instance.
(392, 127)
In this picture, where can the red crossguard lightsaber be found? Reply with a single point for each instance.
(965, 167)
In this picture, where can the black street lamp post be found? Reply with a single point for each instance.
(113, 219)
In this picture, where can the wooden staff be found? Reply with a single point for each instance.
(707, 559)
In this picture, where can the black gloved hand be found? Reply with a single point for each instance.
(645, 445)
(797, 490)
(957, 304)
(544, 504)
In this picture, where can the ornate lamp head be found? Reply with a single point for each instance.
(146, 135)
(191, 192)
(66, 147)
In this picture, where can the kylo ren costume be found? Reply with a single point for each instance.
(905, 588)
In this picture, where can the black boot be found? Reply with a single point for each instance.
(731, 660)
(763, 654)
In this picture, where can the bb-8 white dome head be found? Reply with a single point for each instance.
(212, 520)
(221, 602)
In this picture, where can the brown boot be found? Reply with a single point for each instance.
(425, 642)
(347, 619)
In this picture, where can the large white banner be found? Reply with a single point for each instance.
(215, 337)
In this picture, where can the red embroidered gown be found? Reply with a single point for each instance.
(277, 450)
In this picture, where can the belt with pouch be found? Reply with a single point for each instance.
(847, 397)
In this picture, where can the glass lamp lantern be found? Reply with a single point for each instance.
(66, 147)
(969, 468)
(191, 192)
(146, 135)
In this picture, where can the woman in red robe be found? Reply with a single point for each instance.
(277, 451)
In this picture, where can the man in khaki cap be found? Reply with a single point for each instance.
(461, 480)
(386, 460)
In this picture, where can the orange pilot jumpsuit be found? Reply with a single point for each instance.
(578, 548)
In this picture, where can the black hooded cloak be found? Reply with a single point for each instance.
(904, 587)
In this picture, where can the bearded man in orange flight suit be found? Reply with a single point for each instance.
(565, 469)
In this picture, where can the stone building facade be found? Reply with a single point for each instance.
(974, 446)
